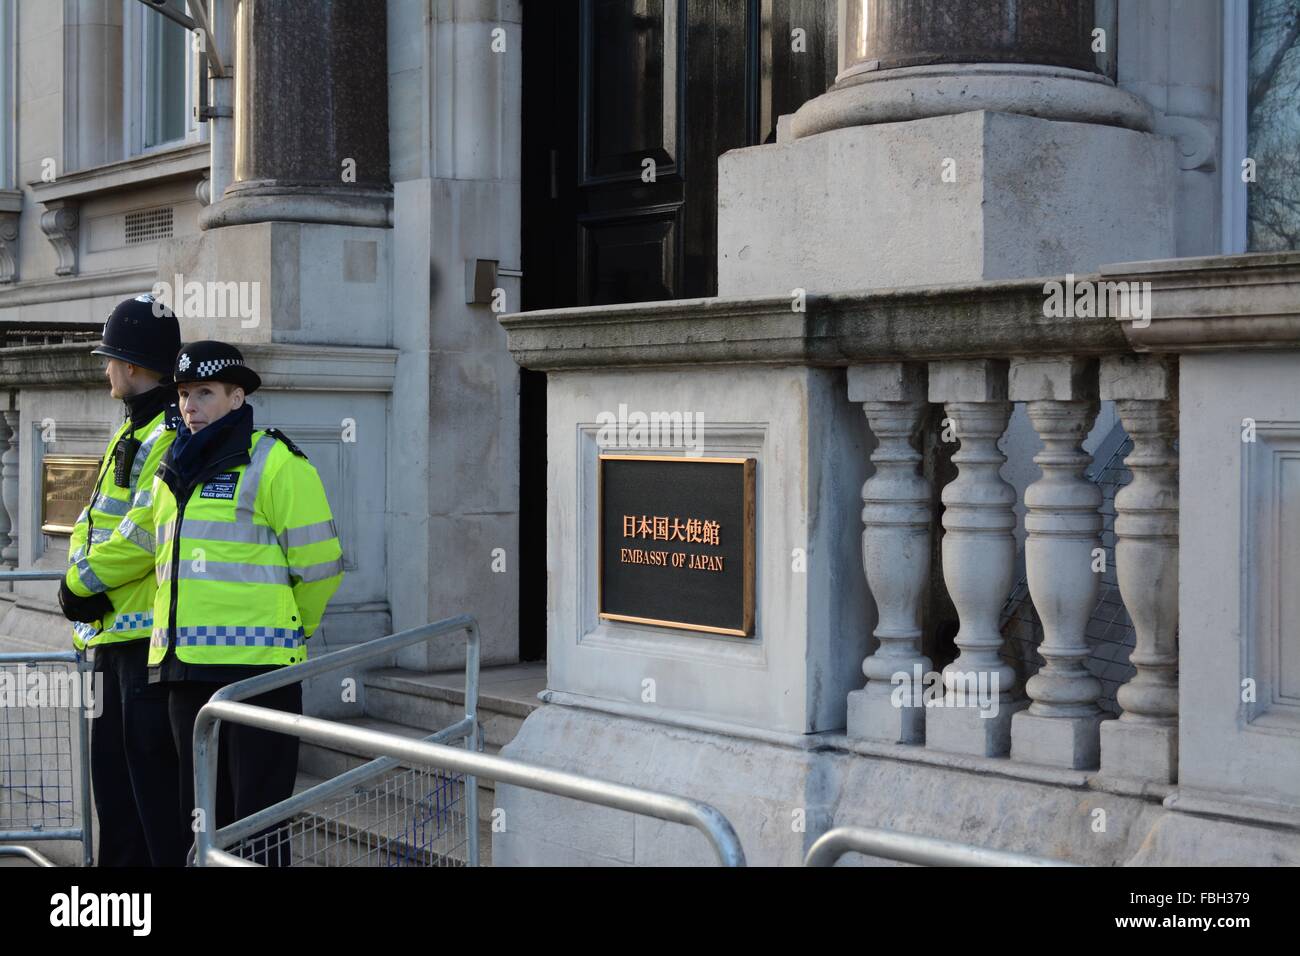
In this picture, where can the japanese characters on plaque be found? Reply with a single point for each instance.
(677, 542)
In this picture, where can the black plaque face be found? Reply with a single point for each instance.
(677, 542)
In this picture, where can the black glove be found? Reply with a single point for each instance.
(87, 610)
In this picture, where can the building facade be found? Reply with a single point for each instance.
(453, 236)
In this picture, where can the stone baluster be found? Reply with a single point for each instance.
(1062, 554)
(9, 487)
(895, 553)
(979, 551)
(1143, 742)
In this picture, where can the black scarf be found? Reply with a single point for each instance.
(143, 408)
(191, 452)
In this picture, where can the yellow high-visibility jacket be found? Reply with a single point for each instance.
(245, 560)
(92, 551)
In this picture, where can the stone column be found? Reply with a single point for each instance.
(887, 34)
(1064, 535)
(904, 59)
(1143, 742)
(9, 487)
(895, 553)
(311, 115)
(979, 552)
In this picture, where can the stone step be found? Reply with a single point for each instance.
(438, 700)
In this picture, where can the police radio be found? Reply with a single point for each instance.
(123, 457)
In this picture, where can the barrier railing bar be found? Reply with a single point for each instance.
(39, 859)
(911, 848)
(716, 828)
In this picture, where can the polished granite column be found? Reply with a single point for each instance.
(906, 59)
(311, 115)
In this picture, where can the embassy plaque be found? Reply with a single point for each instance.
(677, 542)
(67, 482)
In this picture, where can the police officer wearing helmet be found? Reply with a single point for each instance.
(247, 558)
(110, 600)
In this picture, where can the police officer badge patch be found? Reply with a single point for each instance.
(220, 486)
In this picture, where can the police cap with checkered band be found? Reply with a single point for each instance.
(209, 361)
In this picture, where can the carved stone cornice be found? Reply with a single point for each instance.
(1248, 301)
(970, 320)
(1217, 302)
(297, 367)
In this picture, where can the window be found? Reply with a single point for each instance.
(1273, 126)
(160, 74)
(1261, 126)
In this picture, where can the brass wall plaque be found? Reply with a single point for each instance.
(677, 542)
(67, 483)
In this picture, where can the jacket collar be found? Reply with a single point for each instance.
(225, 448)
(143, 408)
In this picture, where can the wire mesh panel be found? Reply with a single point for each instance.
(38, 766)
(407, 817)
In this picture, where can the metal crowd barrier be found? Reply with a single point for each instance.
(264, 837)
(39, 774)
(382, 813)
(910, 848)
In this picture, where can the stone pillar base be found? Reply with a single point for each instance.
(901, 204)
(1139, 751)
(1051, 92)
(969, 730)
(284, 282)
(873, 715)
(242, 205)
(1070, 742)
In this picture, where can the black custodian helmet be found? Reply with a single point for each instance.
(210, 361)
(142, 331)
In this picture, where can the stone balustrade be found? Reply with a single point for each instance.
(1054, 719)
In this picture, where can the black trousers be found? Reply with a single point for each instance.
(255, 768)
(133, 765)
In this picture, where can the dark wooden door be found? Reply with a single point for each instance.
(627, 105)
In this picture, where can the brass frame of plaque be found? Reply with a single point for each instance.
(747, 628)
(90, 465)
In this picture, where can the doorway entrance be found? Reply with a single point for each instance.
(627, 105)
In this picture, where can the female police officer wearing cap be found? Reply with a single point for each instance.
(246, 558)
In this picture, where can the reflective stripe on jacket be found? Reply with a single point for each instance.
(246, 564)
(108, 553)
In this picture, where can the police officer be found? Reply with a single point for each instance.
(247, 557)
(133, 761)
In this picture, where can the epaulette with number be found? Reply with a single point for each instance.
(174, 420)
(282, 437)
